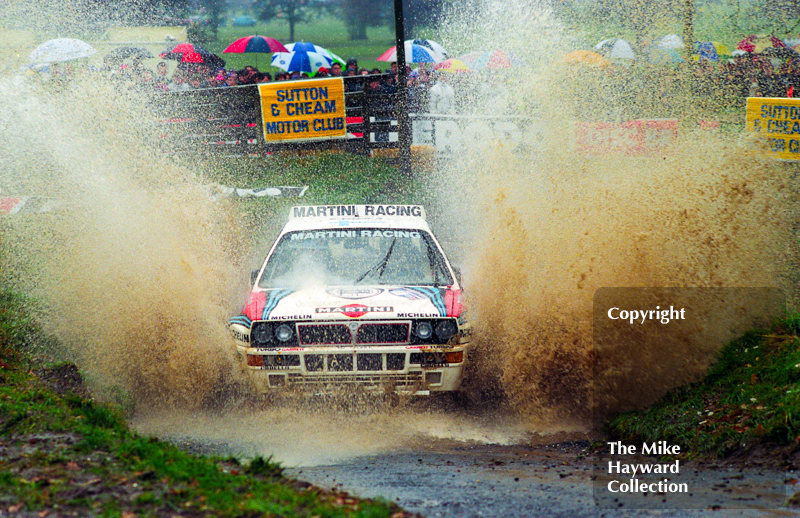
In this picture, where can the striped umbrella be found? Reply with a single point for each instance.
(431, 45)
(615, 48)
(709, 51)
(300, 61)
(414, 54)
(260, 44)
(304, 46)
(451, 65)
(587, 58)
(255, 44)
(755, 43)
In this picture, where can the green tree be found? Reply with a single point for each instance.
(419, 14)
(781, 17)
(644, 18)
(358, 15)
(292, 11)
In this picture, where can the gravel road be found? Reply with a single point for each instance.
(553, 480)
(444, 463)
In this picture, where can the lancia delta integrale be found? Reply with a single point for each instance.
(355, 296)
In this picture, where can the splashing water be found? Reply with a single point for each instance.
(139, 271)
(134, 270)
(555, 223)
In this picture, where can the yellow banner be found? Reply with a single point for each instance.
(307, 109)
(777, 120)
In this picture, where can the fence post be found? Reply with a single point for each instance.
(403, 121)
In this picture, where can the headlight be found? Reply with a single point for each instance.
(262, 333)
(423, 330)
(445, 329)
(284, 333)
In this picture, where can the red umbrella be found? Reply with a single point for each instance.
(261, 44)
(755, 43)
(191, 53)
(256, 44)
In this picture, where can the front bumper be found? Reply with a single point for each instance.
(410, 370)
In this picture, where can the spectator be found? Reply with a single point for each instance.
(322, 72)
(161, 80)
(352, 86)
(441, 96)
(232, 79)
(351, 63)
(336, 70)
(196, 81)
(178, 83)
(217, 78)
(247, 76)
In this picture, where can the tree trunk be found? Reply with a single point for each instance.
(688, 29)
(358, 30)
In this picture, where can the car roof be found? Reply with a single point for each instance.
(382, 216)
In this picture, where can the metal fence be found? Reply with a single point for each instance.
(228, 120)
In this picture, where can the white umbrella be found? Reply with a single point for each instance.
(430, 44)
(304, 46)
(414, 54)
(60, 49)
(300, 61)
(615, 49)
(671, 41)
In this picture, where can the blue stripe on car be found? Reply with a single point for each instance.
(241, 319)
(274, 297)
(435, 297)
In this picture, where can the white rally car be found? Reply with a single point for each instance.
(355, 296)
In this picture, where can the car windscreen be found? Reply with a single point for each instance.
(355, 257)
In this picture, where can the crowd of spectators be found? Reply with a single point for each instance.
(189, 76)
(422, 83)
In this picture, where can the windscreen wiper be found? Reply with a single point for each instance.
(381, 266)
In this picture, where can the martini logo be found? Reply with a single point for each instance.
(354, 293)
(355, 310)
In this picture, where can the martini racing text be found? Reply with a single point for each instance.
(315, 211)
(323, 234)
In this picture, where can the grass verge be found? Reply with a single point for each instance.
(62, 453)
(749, 398)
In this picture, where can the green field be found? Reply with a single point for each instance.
(327, 32)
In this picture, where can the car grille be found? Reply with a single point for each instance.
(337, 334)
(364, 362)
(382, 334)
(365, 334)
(368, 380)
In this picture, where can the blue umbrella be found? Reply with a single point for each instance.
(705, 50)
(300, 61)
(431, 45)
(414, 54)
(304, 46)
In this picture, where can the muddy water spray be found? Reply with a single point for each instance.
(135, 269)
(556, 223)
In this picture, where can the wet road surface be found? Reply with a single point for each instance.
(552, 480)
